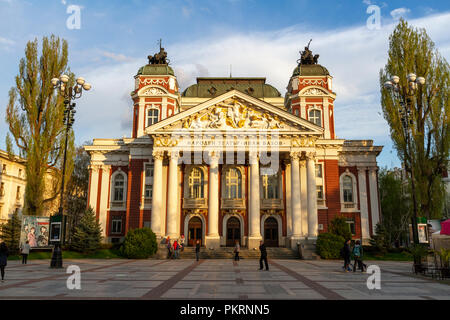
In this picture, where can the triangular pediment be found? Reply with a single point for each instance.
(238, 111)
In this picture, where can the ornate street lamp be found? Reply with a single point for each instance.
(414, 83)
(68, 93)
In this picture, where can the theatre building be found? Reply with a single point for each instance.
(231, 159)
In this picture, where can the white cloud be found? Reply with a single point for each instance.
(116, 56)
(186, 12)
(353, 56)
(6, 42)
(399, 12)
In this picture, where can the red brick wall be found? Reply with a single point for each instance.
(332, 194)
(134, 193)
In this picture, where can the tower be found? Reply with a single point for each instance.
(156, 93)
(310, 94)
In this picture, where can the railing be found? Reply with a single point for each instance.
(232, 203)
(349, 205)
(271, 204)
(321, 202)
(117, 204)
(194, 202)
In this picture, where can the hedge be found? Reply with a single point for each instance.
(139, 244)
(329, 246)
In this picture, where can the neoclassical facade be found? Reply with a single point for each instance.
(230, 159)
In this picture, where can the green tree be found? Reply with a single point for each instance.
(35, 117)
(395, 205)
(340, 227)
(412, 51)
(77, 190)
(379, 240)
(329, 245)
(88, 234)
(10, 233)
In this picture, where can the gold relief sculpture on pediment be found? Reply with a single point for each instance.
(232, 114)
(303, 142)
(165, 142)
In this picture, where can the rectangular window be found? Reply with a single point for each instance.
(148, 171)
(116, 225)
(318, 170)
(18, 193)
(320, 192)
(148, 191)
(2, 189)
(152, 116)
(351, 224)
(4, 168)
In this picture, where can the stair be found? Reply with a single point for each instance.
(227, 253)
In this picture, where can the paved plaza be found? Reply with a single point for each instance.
(214, 279)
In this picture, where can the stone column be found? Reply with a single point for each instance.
(172, 199)
(364, 210)
(295, 199)
(312, 195)
(373, 185)
(255, 217)
(212, 238)
(157, 193)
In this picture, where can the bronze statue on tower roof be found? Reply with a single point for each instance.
(306, 56)
(160, 57)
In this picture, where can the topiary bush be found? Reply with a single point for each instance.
(329, 245)
(139, 244)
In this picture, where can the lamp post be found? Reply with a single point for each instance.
(69, 93)
(414, 83)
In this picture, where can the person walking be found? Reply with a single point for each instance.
(3, 259)
(169, 248)
(346, 255)
(262, 248)
(25, 251)
(197, 250)
(182, 242)
(237, 249)
(357, 254)
(176, 249)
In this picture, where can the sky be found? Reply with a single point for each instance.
(111, 40)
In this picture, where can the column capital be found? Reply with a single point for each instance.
(214, 155)
(158, 154)
(174, 155)
(295, 155)
(361, 170)
(310, 155)
(373, 168)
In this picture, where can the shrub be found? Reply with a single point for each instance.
(139, 244)
(329, 245)
(88, 234)
(379, 239)
(340, 227)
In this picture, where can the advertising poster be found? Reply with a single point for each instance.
(35, 230)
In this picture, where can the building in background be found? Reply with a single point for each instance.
(195, 163)
(12, 185)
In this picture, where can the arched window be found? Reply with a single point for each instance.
(315, 117)
(270, 186)
(347, 188)
(196, 182)
(152, 116)
(233, 184)
(119, 186)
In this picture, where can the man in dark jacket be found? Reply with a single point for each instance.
(197, 250)
(346, 252)
(3, 259)
(262, 248)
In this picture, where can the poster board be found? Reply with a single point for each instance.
(35, 230)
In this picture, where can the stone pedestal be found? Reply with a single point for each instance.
(212, 242)
(253, 242)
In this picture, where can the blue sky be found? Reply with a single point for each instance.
(259, 38)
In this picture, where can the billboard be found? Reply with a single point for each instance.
(35, 230)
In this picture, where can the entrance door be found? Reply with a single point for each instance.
(233, 231)
(195, 231)
(271, 232)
